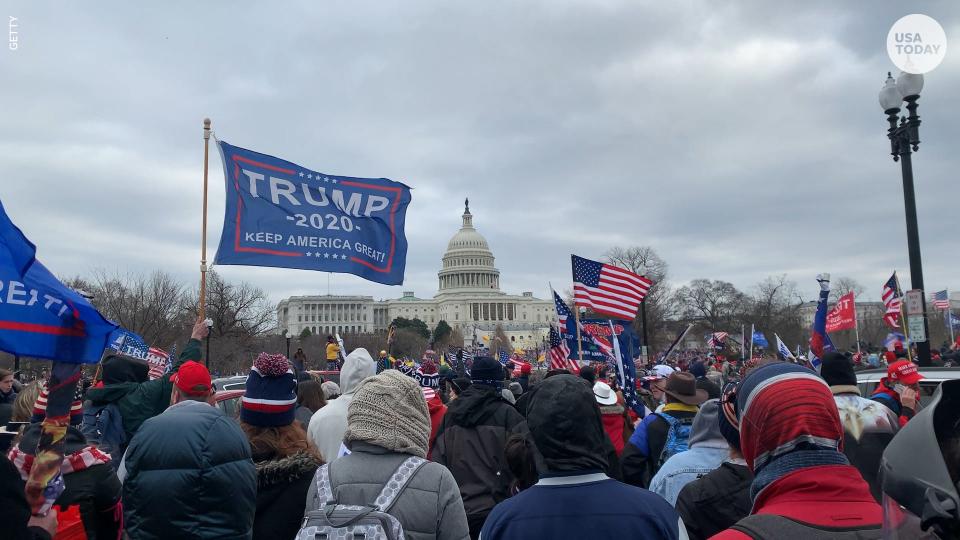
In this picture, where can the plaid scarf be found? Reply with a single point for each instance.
(77, 461)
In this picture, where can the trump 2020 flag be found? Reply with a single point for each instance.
(284, 215)
(39, 316)
(783, 349)
(760, 340)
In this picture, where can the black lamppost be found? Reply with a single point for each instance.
(286, 334)
(904, 140)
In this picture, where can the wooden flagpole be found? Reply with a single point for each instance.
(203, 240)
(576, 317)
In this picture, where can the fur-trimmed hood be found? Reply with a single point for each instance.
(286, 470)
(616, 408)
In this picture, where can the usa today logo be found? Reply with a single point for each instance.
(916, 43)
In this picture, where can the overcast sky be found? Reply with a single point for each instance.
(738, 139)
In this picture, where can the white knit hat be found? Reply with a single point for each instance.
(388, 410)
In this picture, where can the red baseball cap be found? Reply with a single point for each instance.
(904, 371)
(192, 378)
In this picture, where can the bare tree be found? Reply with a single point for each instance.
(151, 306)
(659, 304)
(772, 308)
(717, 304)
(843, 285)
(500, 341)
(641, 260)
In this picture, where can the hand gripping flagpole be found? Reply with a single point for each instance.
(203, 240)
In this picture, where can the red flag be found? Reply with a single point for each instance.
(843, 316)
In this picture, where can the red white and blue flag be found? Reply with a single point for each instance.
(819, 339)
(560, 353)
(607, 289)
(891, 299)
(941, 300)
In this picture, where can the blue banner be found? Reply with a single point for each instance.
(39, 316)
(760, 340)
(283, 215)
(629, 340)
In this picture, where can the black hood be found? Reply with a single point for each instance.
(474, 405)
(119, 369)
(564, 418)
(74, 441)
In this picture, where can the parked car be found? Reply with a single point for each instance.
(237, 382)
(868, 379)
(228, 401)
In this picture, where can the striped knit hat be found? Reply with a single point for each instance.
(784, 407)
(40, 407)
(271, 395)
(427, 375)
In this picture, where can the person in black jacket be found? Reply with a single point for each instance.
(187, 472)
(472, 438)
(15, 519)
(721, 497)
(640, 460)
(285, 460)
(91, 483)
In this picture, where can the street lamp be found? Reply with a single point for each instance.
(905, 139)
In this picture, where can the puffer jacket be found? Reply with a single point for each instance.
(716, 501)
(282, 486)
(188, 474)
(471, 442)
(138, 401)
(429, 507)
(328, 425)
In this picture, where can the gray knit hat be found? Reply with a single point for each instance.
(388, 410)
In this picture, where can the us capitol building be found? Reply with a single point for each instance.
(469, 299)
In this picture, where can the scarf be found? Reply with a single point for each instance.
(75, 462)
(796, 460)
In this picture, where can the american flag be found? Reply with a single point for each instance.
(560, 352)
(563, 314)
(465, 359)
(717, 339)
(503, 356)
(157, 360)
(891, 299)
(941, 300)
(606, 289)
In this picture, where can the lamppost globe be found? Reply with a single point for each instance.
(909, 84)
(890, 97)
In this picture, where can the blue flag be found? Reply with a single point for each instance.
(127, 343)
(953, 321)
(280, 214)
(760, 340)
(39, 316)
(503, 356)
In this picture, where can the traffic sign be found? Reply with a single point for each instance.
(915, 328)
(913, 300)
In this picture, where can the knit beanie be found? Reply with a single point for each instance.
(698, 369)
(427, 375)
(40, 407)
(837, 370)
(270, 399)
(727, 418)
(389, 410)
(486, 370)
(785, 407)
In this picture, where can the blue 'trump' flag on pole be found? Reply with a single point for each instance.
(760, 340)
(819, 339)
(283, 215)
(126, 342)
(39, 316)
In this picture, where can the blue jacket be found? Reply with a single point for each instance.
(685, 467)
(188, 474)
(589, 505)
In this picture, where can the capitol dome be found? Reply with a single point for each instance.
(468, 261)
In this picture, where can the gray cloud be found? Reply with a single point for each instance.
(739, 140)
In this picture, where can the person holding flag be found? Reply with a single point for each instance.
(819, 339)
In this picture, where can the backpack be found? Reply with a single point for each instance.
(773, 527)
(677, 436)
(103, 427)
(371, 522)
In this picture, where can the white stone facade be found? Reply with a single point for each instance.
(468, 298)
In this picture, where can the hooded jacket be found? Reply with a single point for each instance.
(188, 475)
(282, 486)
(429, 507)
(716, 500)
(437, 409)
(137, 400)
(707, 450)
(574, 498)
(471, 441)
(328, 425)
(868, 426)
(93, 484)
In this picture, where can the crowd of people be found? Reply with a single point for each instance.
(718, 448)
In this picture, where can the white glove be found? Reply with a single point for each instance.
(824, 281)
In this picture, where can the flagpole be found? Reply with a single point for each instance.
(576, 317)
(753, 331)
(743, 342)
(903, 318)
(203, 239)
(856, 323)
(949, 314)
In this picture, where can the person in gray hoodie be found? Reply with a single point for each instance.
(388, 426)
(707, 451)
(328, 425)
